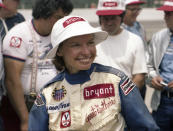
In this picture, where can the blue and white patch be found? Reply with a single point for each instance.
(127, 86)
(62, 106)
(59, 93)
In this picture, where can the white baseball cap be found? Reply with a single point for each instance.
(133, 2)
(167, 6)
(110, 7)
(71, 26)
(2, 5)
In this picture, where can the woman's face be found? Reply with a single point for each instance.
(78, 53)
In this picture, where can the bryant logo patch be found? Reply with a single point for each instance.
(127, 86)
(65, 119)
(15, 42)
(99, 91)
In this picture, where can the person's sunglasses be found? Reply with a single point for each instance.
(16, 0)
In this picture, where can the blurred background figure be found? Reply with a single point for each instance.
(161, 70)
(9, 16)
(122, 49)
(1, 90)
(133, 8)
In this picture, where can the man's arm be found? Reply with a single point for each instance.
(153, 77)
(13, 70)
(139, 80)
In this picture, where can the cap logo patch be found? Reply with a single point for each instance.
(110, 4)
(72, 20)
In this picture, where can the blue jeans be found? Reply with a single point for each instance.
(164, 114)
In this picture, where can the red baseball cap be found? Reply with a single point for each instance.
(133, 2)
(167, 6)
(2, 5)
(110, 7)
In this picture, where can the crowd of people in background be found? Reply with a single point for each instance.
(57, 72)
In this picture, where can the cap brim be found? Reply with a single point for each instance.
(136, 3)
(109, 12)
(74, 31)
(165, 8)
(2, 5)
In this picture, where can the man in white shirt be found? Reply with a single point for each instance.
(122, 49)
(130, 23)
(24, 50)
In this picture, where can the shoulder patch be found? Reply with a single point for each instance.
(127, 86)
(39, 101)
(15, 42)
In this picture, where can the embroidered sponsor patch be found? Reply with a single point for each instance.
(72, 20)
(39, 101)
(127, 86)
(99, 108)
(65, 119)
(59, 93)
(58, 107)
(15, 42)
(99, 91)
(110, 4)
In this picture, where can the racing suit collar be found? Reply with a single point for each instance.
(80, 77)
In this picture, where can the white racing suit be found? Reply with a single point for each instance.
(101, 98)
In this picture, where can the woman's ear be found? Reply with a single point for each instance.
(59, 52)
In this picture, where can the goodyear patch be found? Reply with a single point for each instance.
(62, 106)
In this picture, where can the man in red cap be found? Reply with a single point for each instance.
(161, 71)
(133, 8)
(122, 49)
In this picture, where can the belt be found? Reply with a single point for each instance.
(167, 94)
(30, 98)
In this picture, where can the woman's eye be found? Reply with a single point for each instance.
(75, 45)
(91, 43)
